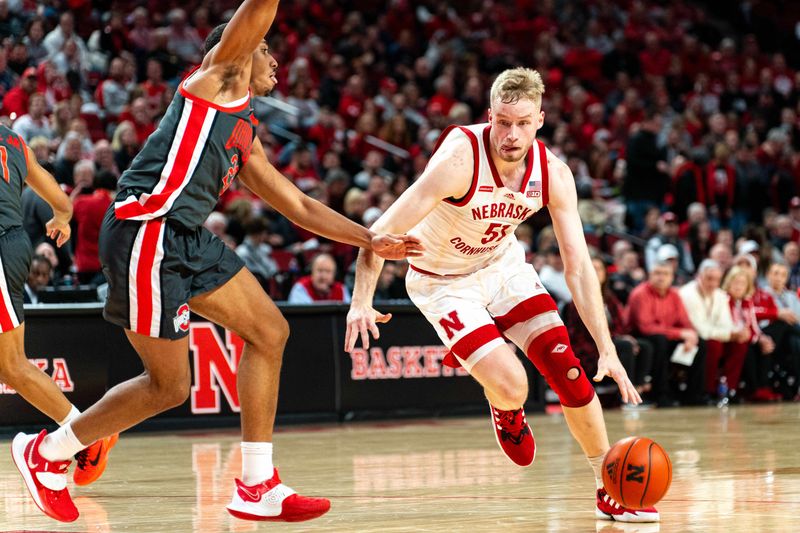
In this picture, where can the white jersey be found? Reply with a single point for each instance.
(464, 235)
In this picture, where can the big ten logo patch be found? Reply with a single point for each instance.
(181, 319)
(401, 362)
(215, 366)
(59, 374)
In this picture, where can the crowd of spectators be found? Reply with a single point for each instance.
(680, 125)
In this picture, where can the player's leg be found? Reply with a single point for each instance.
(242, 306)
(164, 384)
(231, 296)
(503, 378)
(457, 311)
(528, 316)
(28, 380)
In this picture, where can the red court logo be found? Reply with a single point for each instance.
(215, 366)
(181, 320)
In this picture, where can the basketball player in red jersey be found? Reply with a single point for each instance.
(161, 263)
(474, 285)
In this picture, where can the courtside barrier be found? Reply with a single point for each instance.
(401, 374)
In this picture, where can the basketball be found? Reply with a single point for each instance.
(637, 472)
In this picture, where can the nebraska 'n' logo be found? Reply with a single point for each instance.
(215, 366)
(635, 473)
(452, 325)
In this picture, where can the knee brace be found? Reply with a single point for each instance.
(553, 356)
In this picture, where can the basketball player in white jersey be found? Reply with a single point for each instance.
(474, 285)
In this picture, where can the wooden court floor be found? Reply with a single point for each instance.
(735, 470)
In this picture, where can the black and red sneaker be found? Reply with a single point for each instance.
(514, 435)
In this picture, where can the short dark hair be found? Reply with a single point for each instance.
(256, 226)
(214, 37)
(39, 258)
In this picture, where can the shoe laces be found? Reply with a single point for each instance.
(512, 425)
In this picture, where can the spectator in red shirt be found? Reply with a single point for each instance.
(321, 285)
(88, 213)
(138, 113)
(655, 59)
(352, 101)
(16, 100)
(154, 86)
(301, 169)
(740, 287)
(656, 312)
(442, 100)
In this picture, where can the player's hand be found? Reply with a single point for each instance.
(609, 365)
(58, 230)
(361, 321)
(390, 246)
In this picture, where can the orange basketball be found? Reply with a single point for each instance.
(637, 472)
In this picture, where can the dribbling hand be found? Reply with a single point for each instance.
(609, 365)
(393, 247)
(361, 321)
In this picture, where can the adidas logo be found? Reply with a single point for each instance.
(509, 195)
(560, 348)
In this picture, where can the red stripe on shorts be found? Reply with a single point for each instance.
(144, 287)
(525, 310)
(5, 318)
(473, 340)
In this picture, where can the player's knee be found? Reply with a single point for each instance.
(269, 335)
(513, 390)
(168, 393)
(553, 356)
(15, 368)
(10, 371)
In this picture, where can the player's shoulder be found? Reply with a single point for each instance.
(555, 166)
(456, 136)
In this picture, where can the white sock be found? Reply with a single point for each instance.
(70, 416)
(60, 445)
(256, 462)
(597, 466)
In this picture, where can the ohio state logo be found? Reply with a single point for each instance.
(181, 320)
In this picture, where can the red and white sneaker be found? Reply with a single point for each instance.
(272, 500)
(609, 509)
(514, 435)
(46, 481)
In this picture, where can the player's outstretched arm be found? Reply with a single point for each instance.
(45, 186)
(244, 32)
(273, 187)
(581, 276)
(448, 174)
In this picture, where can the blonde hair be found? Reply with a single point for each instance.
(514, 84)
(739, 271)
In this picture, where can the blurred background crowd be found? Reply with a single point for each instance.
(678, 119)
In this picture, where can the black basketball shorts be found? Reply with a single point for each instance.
(154, 268)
